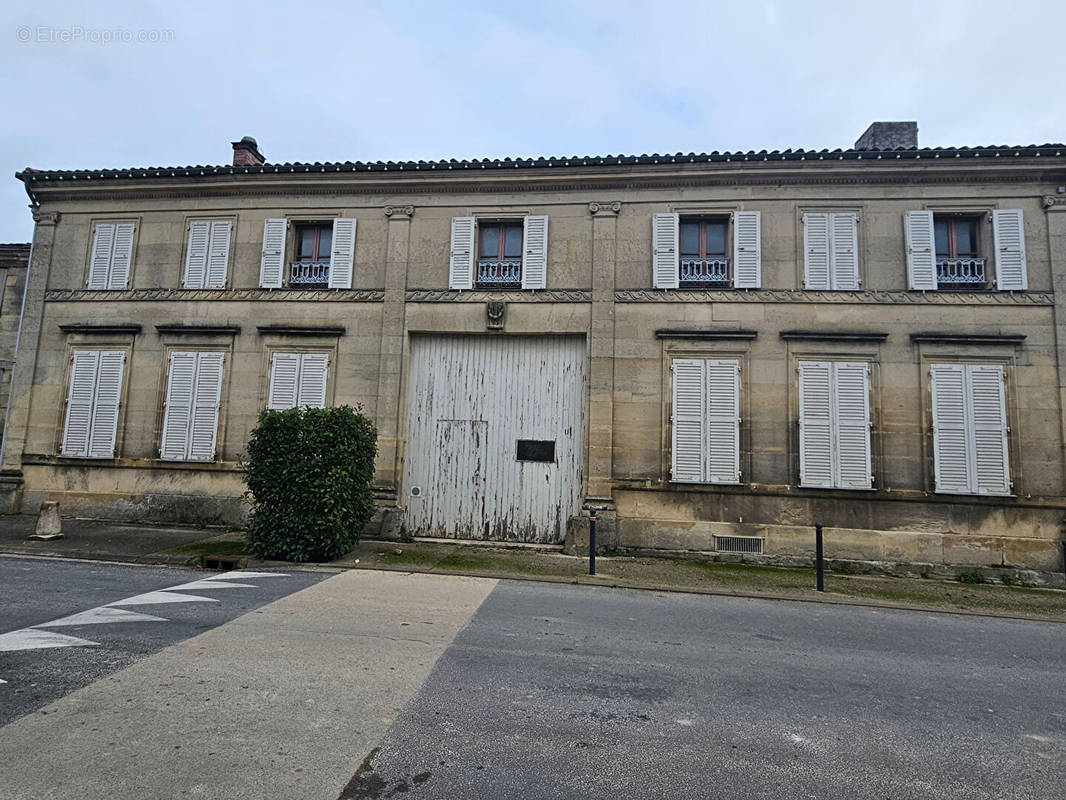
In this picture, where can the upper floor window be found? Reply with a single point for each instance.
(947, 250)
(207, 254)
(831, 251)
(707, 252)
(704, 258)
(498, 254)
(312, 248)
(111, 256)
(321, 254)
(958, 252)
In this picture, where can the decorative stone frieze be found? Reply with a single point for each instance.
(194, 295)
(803, 296)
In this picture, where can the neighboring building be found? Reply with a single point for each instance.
(13, 261)
(722, 349)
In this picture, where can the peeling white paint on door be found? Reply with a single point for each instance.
(470, 399)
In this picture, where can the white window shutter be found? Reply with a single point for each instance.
(461, 261)
(844, 252)
(851, 382)
(1008, 233)
(665, 239)
(921, 250)
(747, 250)
(78, 423)
(218, 254)
(816, 424)
(688, 446)
(314, 371)
(121, 256)
(105, 404)
(951, 459)
(816, 251)
(272, 265)
(989, 419)
(208, 392)
(100, 258)
(723, 420)
(196, 254)
(284, 380)
(177, 408)
(342, 254)
(535, 262)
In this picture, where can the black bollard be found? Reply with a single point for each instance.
(592, 541)
(818, 565)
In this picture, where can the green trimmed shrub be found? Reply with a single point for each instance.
(308, 472)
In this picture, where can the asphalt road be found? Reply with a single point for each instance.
(558, 691)
(44, 654)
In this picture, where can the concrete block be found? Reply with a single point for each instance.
(48, 523)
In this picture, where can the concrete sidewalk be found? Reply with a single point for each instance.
(283, 702)
(695, 572)
(101, 540)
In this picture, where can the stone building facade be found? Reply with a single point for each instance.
(719, 349)
(13, 261)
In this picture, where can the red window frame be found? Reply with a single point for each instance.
(316, 255)
(952, 223)
(703, 222)
(501, 228)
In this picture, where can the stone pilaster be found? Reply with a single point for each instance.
(18, 409)
(601, 351)
(1055, 205)
(390, 365)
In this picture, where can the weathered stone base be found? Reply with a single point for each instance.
(900, 536)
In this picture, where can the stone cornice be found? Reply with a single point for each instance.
(936, 337)
(199, 295)
(178, 329)
(301, 330)
(804, 296)
(835, 336)
(707, 334)
(475, 296)
(589, 179)
(101, 329)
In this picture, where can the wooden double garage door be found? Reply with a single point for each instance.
(495, 436)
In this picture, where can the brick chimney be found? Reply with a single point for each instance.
(889, 136)
(246, 153)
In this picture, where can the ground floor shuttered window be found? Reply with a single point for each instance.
(970, 450)
(834, 417)
(298, 380)
(706, 421)
(190, 411)
(91, 421)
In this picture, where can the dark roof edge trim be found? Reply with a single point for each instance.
(302, 330)
(706, 334)
(836, 336)
(968, 338)
(227, 330)
(104, 328)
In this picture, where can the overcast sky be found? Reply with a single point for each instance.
(317, 81)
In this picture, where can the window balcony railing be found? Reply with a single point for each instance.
(492, 273)
(697, 273)
(309, 273)
(960, 272)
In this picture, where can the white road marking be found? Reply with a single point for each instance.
(100, 616)
(34, 639)
(227, 575)
(30, 639)
(206, 584)
(153, 598)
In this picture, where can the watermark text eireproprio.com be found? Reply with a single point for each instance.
(53, 34)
